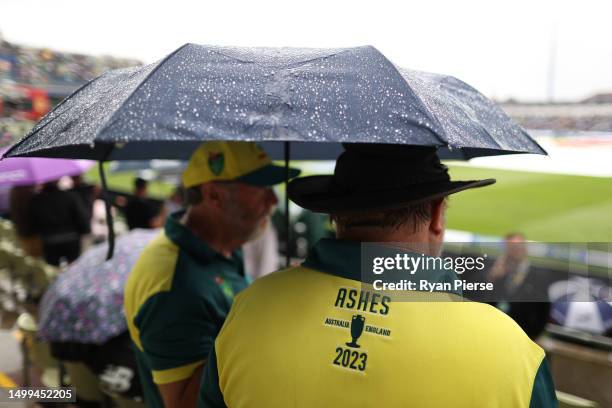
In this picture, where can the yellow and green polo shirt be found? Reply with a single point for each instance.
(176, 299)
(315, 336)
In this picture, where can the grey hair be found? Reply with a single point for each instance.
(413, 214)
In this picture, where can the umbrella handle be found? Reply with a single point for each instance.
(287, 229)
(109, 215)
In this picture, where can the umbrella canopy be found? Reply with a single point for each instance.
(85, 303)
(307, 96)
(581, 304)
(33, 170)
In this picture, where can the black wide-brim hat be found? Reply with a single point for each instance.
(378, 177)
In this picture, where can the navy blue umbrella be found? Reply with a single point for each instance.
(309, 96)
(314, 99)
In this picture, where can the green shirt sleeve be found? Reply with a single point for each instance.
(543, 392)
(176, 332)
(210, 392)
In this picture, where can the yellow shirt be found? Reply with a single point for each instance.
(313, 337)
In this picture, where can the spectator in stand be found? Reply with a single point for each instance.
(276, 347)
(85, 192)
(521, 288)
(19, 204)
(139, 211)
(61, 220)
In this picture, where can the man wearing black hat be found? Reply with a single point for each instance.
(320, 335)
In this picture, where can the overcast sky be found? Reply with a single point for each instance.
(501, 48)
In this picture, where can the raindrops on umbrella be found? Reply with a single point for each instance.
(311, 96)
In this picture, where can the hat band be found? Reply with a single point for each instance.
(410, 181)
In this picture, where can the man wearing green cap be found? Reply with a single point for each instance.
(327, 337)
(180, 290)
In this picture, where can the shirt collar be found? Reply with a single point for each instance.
(346, 260)
(188, 241)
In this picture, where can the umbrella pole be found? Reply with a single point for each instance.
(287, 230)
(109, 214)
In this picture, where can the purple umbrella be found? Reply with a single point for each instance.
(85, 303)
(35, 170)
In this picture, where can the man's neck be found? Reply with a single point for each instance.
(209, 230)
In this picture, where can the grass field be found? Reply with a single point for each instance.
(545, 207)
(124, 182)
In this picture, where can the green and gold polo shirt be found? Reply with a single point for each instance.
(315, 336)
(176, 299)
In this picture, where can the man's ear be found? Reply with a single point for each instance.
(437, 221)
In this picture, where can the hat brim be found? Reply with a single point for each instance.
(316, 193)
(268, 175)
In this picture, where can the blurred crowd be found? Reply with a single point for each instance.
(32, 80)
(565, 123)
(593, 114)
(45, 66)
(12, 130)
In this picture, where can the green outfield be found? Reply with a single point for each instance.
(124, 182)
(545, 207)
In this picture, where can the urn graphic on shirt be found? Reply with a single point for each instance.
(357, 325)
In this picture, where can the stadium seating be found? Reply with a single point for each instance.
(571, 401)
(580, 367)
(84, 381)
(37, 353)
(23, 278)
